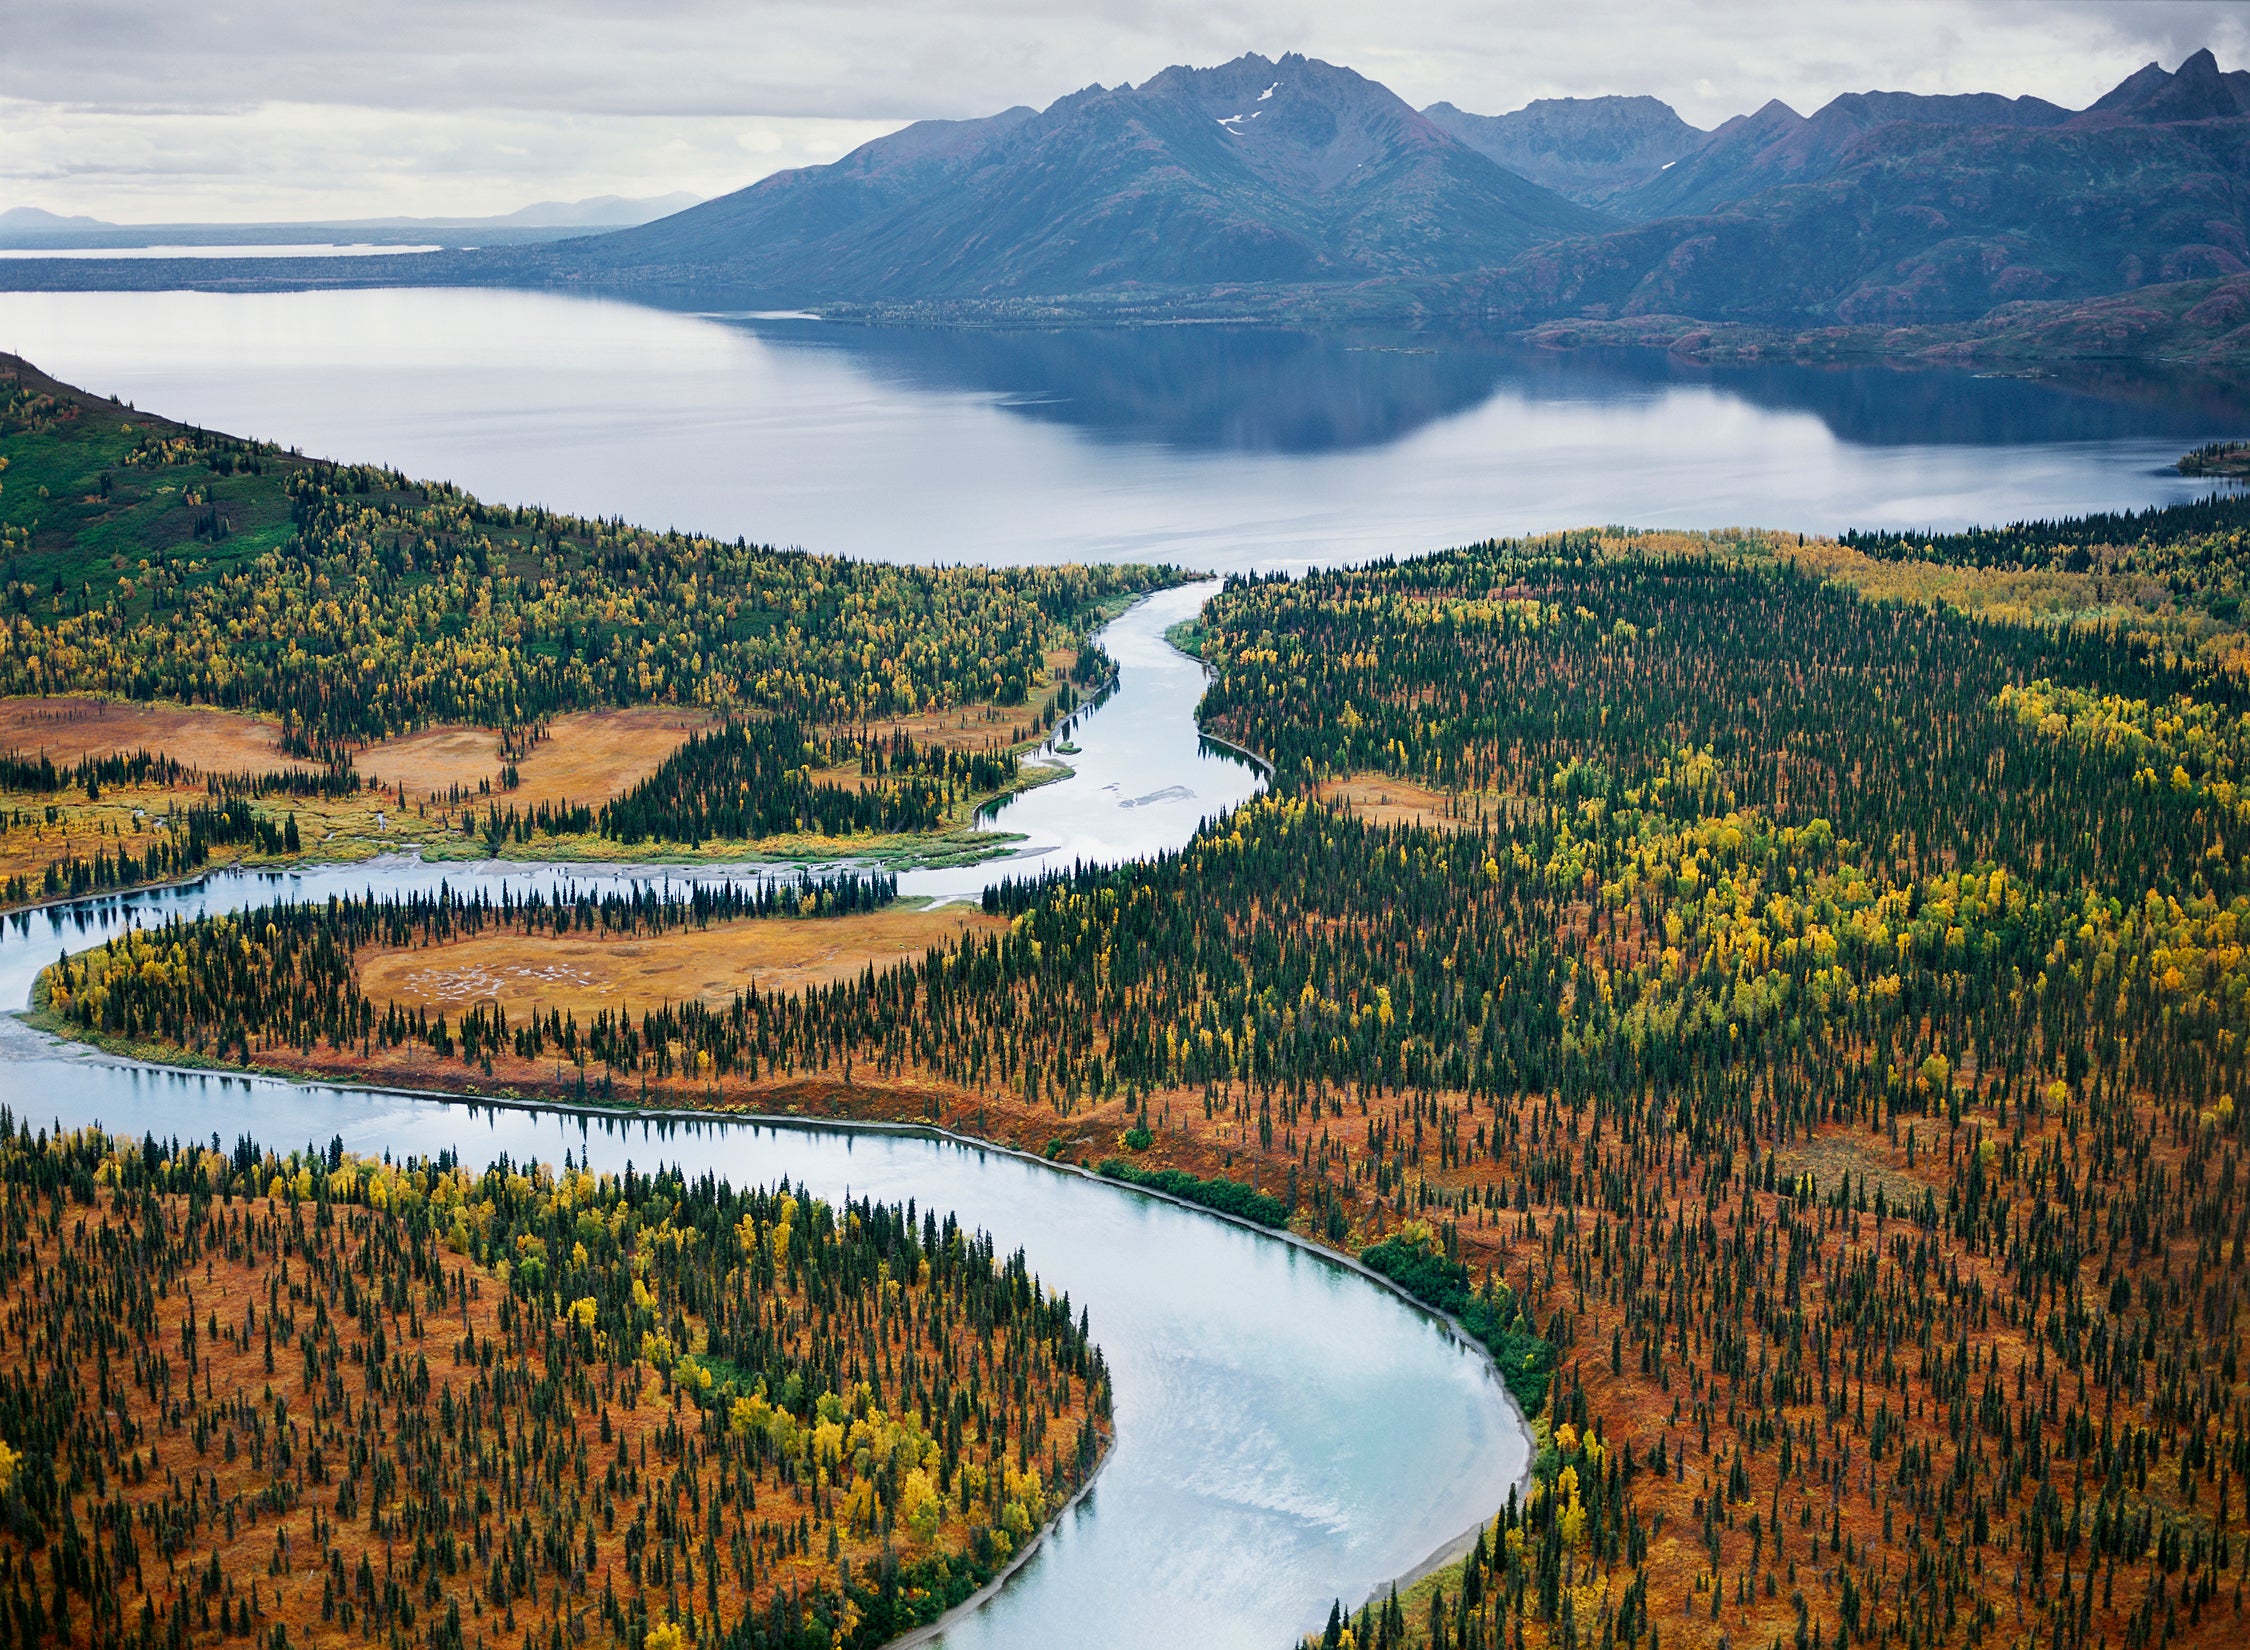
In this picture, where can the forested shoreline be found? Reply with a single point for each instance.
(147, 561)
(1806, 1051)
(352, 602)
(310, 1396)
(1798, 1035)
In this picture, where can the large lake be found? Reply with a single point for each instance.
(1214, 447)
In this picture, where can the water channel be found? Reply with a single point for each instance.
(1286, 1430)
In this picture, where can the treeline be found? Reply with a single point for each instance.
(1229, 1197)
(360, 604)
(2196, 554)
(333, 779)
(184, 848)
(42, 776)
(2069, 542)
(747, 781)
(292, 1398)
(1429, 1267)
(757, 779)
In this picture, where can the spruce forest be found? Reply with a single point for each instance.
(1800, 1039)
(176, 564)
(312, 1398)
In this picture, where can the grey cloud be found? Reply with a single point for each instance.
(892, 61)
(404, 75)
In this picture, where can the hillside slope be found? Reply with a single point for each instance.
(1777, 145)
(1921, 223)
(1256, 171)
(1587, 148)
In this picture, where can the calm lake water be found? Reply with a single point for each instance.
(1213, 447)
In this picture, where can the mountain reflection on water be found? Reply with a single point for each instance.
(1211, 388)
(1219, 448)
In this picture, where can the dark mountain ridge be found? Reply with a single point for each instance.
(1589, 149)
(2011, 216)
(1778, 146)
(2197, 90)
(1296, 190)
(1258, 171)
(1260, 185)
(1920, 224)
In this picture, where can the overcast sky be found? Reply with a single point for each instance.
(150, 110)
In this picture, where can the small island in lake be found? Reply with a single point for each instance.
(2217, 458)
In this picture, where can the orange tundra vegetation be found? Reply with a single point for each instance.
(322, 1399)
(1807, 1057)
(399, 662)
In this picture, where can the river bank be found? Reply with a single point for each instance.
(879, 1109)
(1298, 1434)
(1247, 1385)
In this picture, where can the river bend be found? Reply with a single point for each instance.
(1286, 1430)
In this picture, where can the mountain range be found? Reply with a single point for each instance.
(1943, 216)
(1292, 189)
(1256, 172)
(1592, 149)
(1293, 186)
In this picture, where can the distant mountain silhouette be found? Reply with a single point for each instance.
(1587, 148)
(29, 228)
(1296, 190)
(1258, 171)
(1936, 216)
(32, 217)
(1777, 145)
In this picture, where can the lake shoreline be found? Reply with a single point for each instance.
(2053, 333)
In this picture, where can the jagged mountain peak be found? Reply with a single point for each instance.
(1287, 169)
(2197, 90)
(1588, 148)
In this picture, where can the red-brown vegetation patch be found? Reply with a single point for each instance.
(67, 728)
(1381, 799)
(587, 757)
(582, 972)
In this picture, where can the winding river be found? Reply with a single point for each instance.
(1287, 1431)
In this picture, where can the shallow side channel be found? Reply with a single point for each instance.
(1287, 1430)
